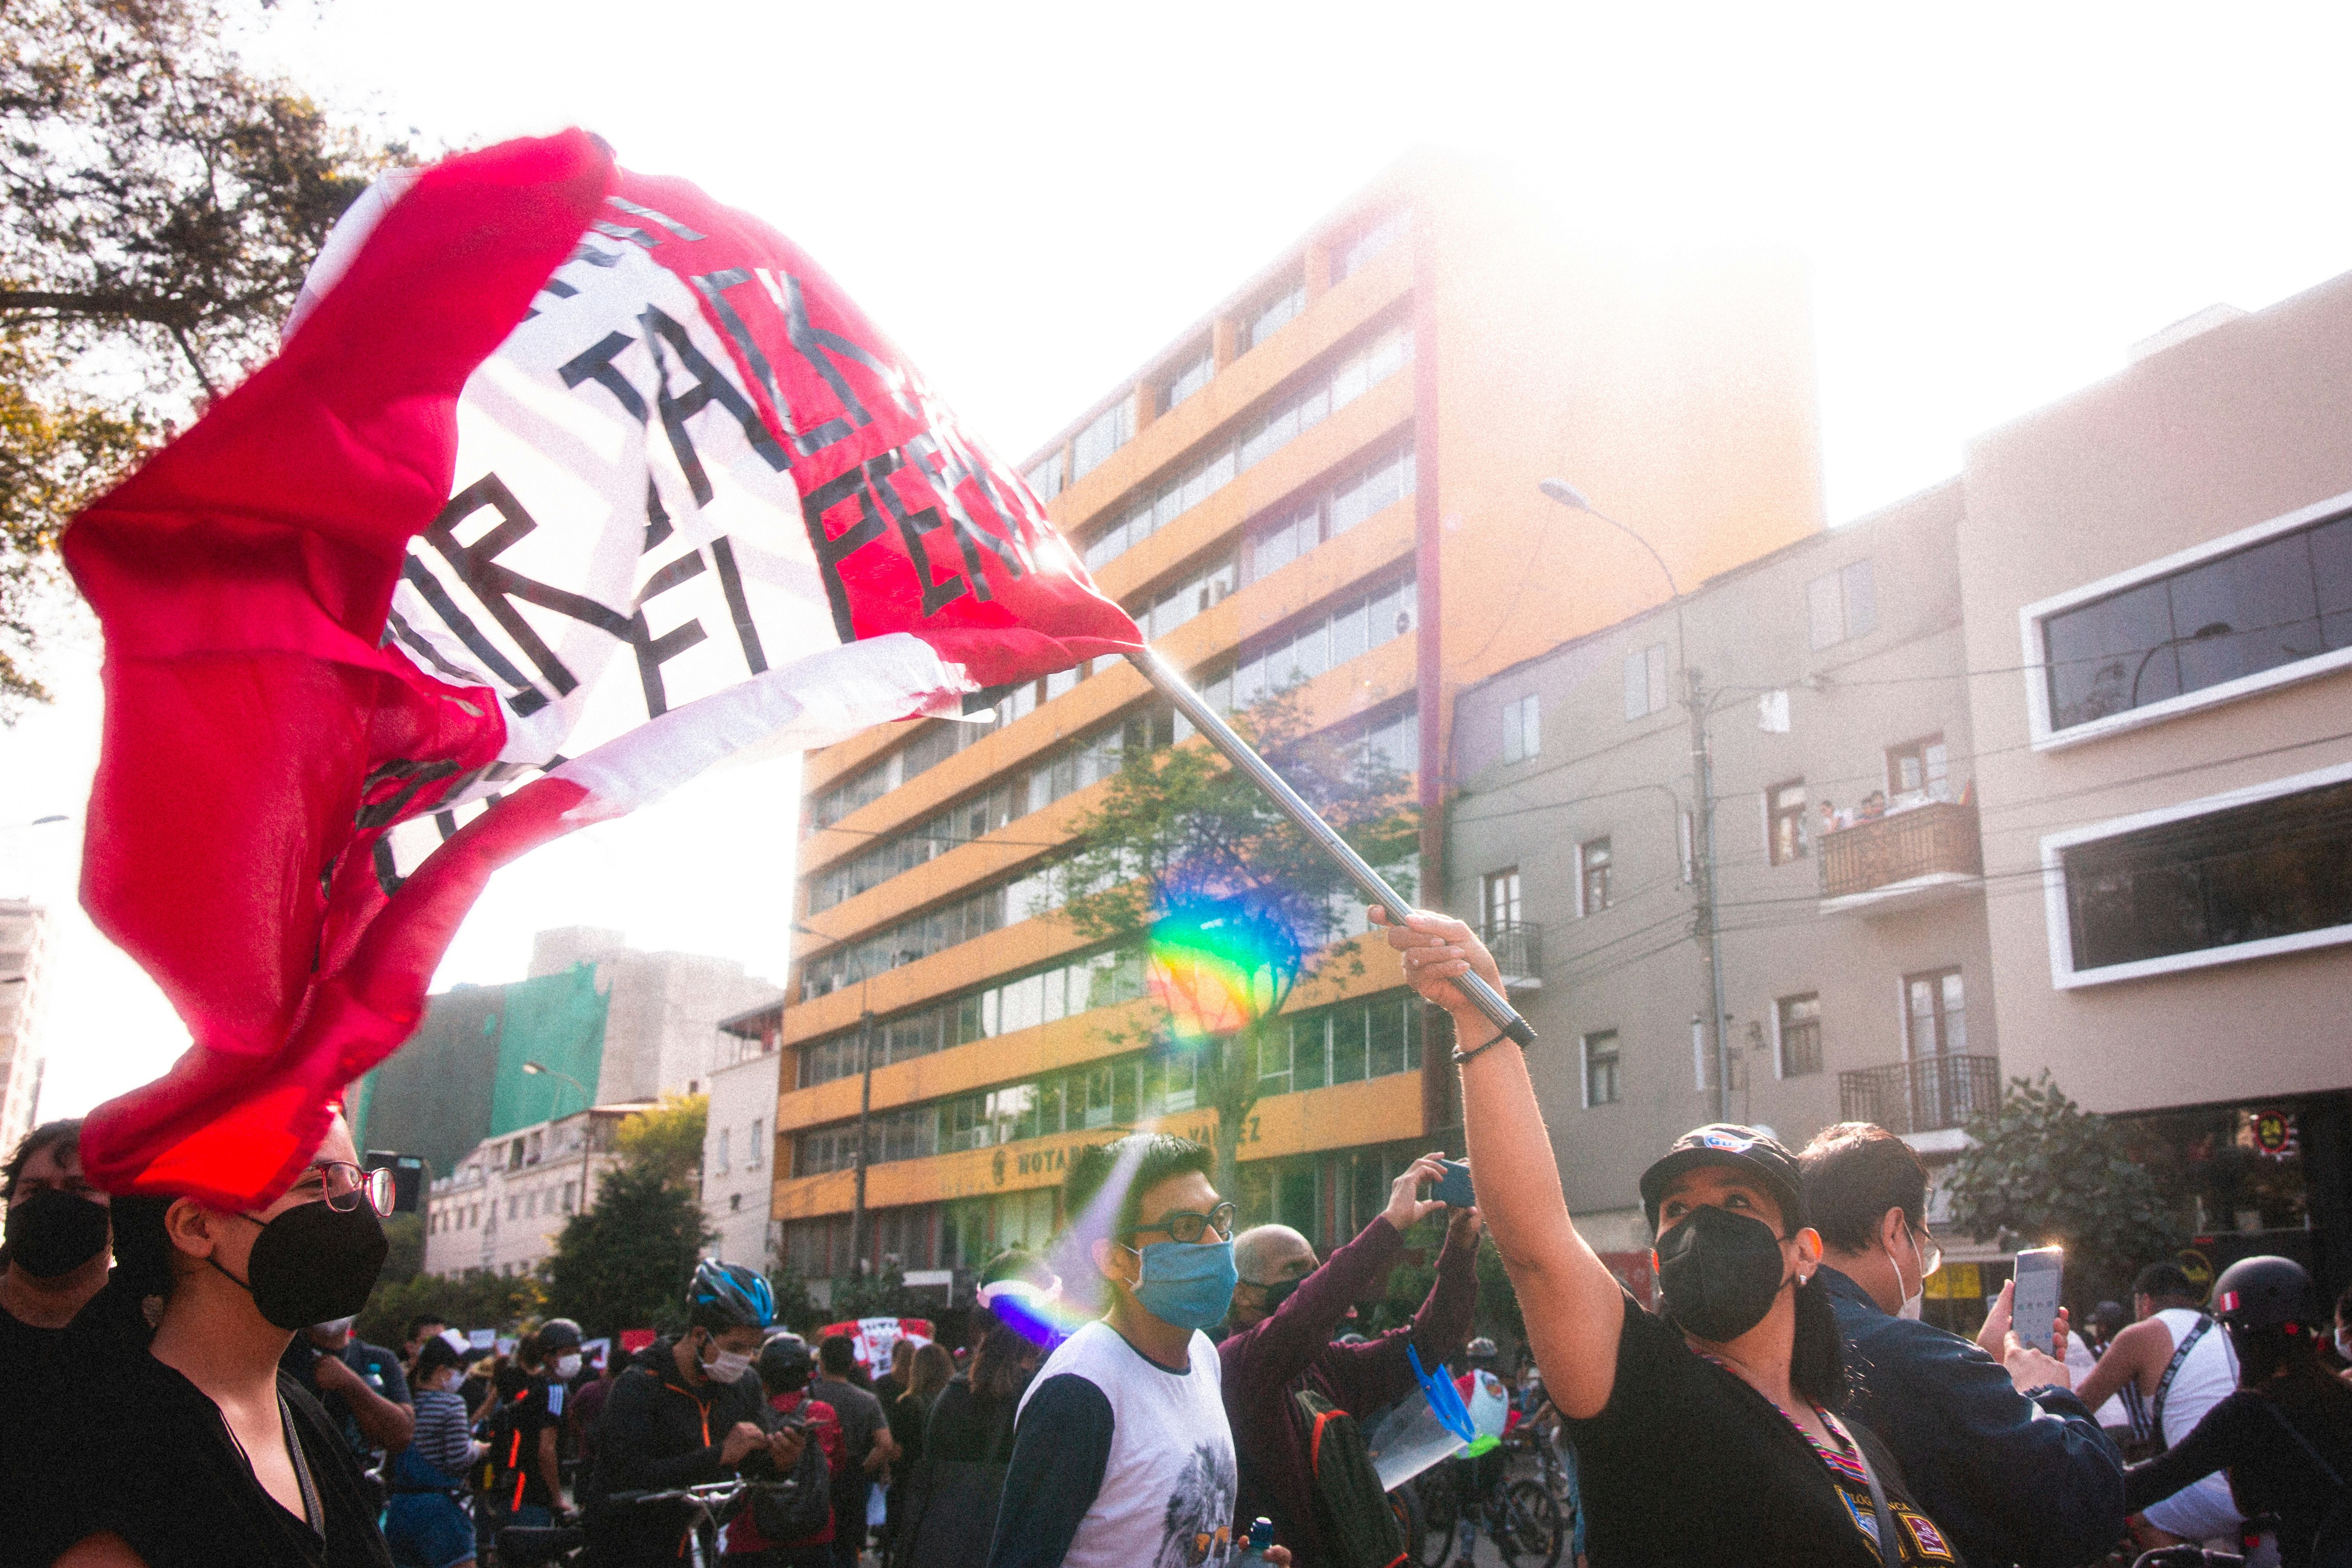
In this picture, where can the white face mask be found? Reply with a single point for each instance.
(1915, 1301)
(567, 1366)
(725, 1365)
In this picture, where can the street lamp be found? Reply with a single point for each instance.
(587, 1122)
(1702, 780)
(2205, 634)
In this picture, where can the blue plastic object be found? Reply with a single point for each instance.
(1445, 1399)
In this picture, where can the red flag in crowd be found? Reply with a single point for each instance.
(566, 483)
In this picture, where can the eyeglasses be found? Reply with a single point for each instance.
(1183, 1225)
(1931, 1257)
(343, 1185)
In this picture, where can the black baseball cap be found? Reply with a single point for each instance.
(1759, 1154)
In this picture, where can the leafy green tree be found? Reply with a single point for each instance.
(159, 204)
(2039, 1170)
(1184, 849)
(668, 1139)
(1408, 1286)
(477, 1299)
(624, 1262)
(883, 1295)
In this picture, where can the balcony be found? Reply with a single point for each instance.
(1886, 864)
(1518, 947)
(1929, 1095)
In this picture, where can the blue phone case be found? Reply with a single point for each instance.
(1455, 1191)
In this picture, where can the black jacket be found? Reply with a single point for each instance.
(2010, 1478)
(658, 1433)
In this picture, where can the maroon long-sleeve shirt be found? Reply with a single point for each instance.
(1263, 1366)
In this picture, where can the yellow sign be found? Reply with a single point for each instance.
(2198, 1266)
(1956, 1281)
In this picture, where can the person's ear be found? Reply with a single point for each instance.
(1809, 1249)
(1894, 1226)
(192, 1227)
(1105, 1251)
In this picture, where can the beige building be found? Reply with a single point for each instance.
(2168, 778)
(503, 1206)
(738, 1144)
(1856, 968)
(23, 966)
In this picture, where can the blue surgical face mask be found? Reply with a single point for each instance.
(1188, 1284)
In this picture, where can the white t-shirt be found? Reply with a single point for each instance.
(2203, 1509)
(1168, 1481)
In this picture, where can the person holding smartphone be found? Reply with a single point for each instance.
(1707, 1435)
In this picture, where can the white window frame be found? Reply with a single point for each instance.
(2063, 973)
(2036, 663)
(1584, 1067)
(1583, 909)
(1522, 724)
(1659, 692)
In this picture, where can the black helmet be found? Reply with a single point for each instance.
(558, 1334)
(730, 1295)
(2263, 1294)
(786, 1362)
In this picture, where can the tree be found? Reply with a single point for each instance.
(668, 1139)
(2039, 1170)
(477, 1299)
(1190, 860)
(626, 1261)
(158, 204)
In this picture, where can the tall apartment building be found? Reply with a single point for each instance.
(24, 970)
(1857, 973)
(2158, 576)
(1330, 478)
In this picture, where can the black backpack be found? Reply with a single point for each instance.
(1360, 1530)
(800, 1513)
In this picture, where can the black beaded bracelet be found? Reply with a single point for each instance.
(1460, 1056)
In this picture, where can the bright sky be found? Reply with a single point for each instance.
(1034, 198)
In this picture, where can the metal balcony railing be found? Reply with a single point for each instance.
(1518, 947)
(1938, 837)
(1924, 1095)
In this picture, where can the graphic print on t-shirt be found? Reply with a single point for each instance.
(1200, 1523)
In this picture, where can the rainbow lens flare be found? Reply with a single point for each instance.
(1217, 964)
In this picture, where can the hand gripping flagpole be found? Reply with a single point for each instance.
(1209, 722)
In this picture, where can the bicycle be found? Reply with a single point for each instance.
(1521, 1517)
(711, 1505)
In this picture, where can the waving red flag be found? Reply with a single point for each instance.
(567, 483)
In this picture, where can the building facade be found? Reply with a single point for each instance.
(1856, 971)
(2157, 578)
(508, 1198)
(24, 972)
(1329, 482)
(739, 1143)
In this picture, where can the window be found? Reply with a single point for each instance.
(1372, 243)
(1938, 1022)
(1799, 1021)
(1522, 729)
(1502, 900)
(2227, 881)
(1842, 605)
(1276, 314)
(1275, 542)
(1304, 650)
(1593, 861)
(755, 1148)
(1645, 681)
(725, 1163)
(2274, 602)
(1112, 429)
(1785, 830)
(570, 1196)
(1046, 478)
(1916, 771)
(1600, 1083)
(1189, 379)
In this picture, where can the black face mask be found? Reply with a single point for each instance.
(1718, 1272)
(53, 1232)
(1276, 1294)
(313, 1264)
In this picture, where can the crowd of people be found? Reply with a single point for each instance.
(179, 1383)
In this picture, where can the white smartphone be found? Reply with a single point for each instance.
(2033, 1310)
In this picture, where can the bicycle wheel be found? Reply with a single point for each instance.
(1528, 1527)
(1433, 1491)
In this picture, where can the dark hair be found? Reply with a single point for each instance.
(1004, 1363)
(63, 1136)
(1855, 1172)
(416, 1323)
(1146, 1158)
(837, 1352)
(2344, 1306)
(1817, 1358)
(142, 1248)
(2263, 1354)
(435, 1353)
(2163, 1280)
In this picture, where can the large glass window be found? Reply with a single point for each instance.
(2271, 868)
(1046, 478)
(1274, 315)
(1842, 605)
(1917, 770)
(1601, 1080)
(2273, 604)
(1299, 528)
(1799, 1019)
(1784, 822)
(1938, 1013)
(1594, 864)
(1502, 900)
(1303, 651)
(1371, 242)
(1190, 378)
(1108, 431)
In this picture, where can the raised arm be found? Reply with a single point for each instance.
(1573, 1306)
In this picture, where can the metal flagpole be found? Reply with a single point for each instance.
(1209, 722)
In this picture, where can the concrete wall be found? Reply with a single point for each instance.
(2246, 422)
(739, 1150)
(502, 1207)
(1635, 966)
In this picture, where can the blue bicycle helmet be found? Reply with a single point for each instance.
(730, 1295)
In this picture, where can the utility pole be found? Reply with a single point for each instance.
(1709, 933)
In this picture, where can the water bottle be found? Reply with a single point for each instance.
(1261, 1536)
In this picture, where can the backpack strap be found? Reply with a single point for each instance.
(2304, 1443)
(2164, 1384)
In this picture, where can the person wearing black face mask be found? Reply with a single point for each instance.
(1283, 1315)
(233, 1462)
(56, 1241)
(1709, 1433)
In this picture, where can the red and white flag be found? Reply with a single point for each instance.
(566, 483)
